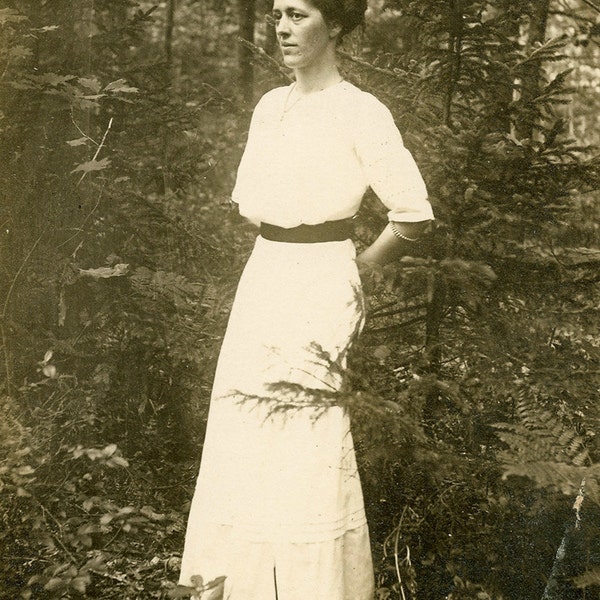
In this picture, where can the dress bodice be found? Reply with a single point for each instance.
(312, 160)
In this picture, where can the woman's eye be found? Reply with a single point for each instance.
(293, 16)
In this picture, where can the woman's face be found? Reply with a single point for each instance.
(303, 34)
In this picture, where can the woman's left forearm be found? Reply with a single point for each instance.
(395, 240)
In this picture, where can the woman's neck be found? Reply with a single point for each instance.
(317, 77)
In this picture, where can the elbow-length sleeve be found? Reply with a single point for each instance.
(388, 165)
(245, 190)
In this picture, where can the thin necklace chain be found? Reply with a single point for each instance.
(288, 104)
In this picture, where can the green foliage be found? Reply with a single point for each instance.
(552, 454)
(211, 590)
(62, 504)
(102, 263)
(61, 507)
(494, 311)
(589, 578)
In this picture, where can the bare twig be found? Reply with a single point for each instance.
(5, 312)
(17, 275)
(396, 560)
(98, 149)
(85, 135)
(5, 69)
(58, 524)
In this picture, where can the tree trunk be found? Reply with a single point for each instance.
(38, 208)
(435, 315)
(507, 15)
(246, 28)
(570, 559)
(455, 47)
(169, 32)
(270, 35)
(530, 79)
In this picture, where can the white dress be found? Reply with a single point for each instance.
(278, 507)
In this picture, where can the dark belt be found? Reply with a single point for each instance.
(330, 231)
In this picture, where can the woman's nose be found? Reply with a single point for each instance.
(283, 26)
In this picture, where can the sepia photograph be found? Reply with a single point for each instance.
(300, 299)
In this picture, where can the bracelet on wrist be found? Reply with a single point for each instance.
(400, 235)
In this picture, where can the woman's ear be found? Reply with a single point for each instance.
(334, 30)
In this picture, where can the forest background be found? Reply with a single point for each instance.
(474, 387)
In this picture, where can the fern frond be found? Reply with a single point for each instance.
(587, 579)
(582, 458)
(559, 476)
(525, 444)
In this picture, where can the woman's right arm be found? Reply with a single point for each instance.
(395, 178)
(397, 239)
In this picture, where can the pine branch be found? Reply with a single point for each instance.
(265, 58)
(398, 311)
(396, 326)
(401, 76)
(592, 5)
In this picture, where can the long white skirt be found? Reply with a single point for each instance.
(278, 507)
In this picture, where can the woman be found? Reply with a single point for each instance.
(278, 509)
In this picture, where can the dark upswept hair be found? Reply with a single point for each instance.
(349, 14)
